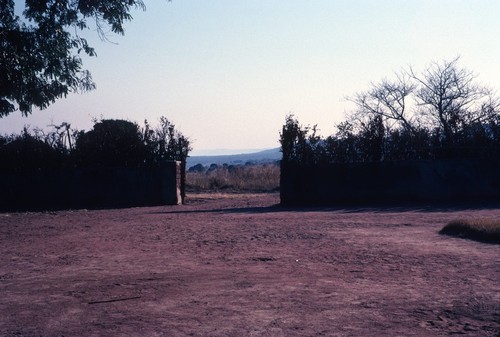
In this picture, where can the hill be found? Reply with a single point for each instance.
(260, 157)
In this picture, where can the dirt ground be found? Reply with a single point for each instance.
(238, 265)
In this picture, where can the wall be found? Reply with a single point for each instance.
(392, 182)
(91, 188)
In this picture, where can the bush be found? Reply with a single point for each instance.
(371, 141)
(111, 143)
(27, 152)
(483, 230)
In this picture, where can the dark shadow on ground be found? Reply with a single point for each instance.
(343, 209)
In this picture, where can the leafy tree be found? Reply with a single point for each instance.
(111, 143)
(371, 139)
(294, 139)
(342, 146)
(401, 144)
(165, 142)
(40, 51)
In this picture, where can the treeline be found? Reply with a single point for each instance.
(109, 143)
(440, 113)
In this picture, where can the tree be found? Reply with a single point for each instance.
(342, 146)
(165, 142)
(40, 52)
(444, 98)
(371, 139)
(293, 140)
(388, 100)
(111, 143)
(450, 99)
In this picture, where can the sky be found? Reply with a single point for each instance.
(228, 72)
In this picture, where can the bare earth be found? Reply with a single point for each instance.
(241, 266)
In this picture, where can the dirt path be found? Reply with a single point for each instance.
(241, 266)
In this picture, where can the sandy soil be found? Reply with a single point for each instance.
(241, 266)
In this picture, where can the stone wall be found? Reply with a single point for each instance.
(439, 181)
(92, 188)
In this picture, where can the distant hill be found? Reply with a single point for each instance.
(260, 157)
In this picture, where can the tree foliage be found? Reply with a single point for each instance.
(294, 140)
(165, 142)
(40, 50)
(109, 143)
(28, 151)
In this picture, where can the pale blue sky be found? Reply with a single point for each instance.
(227, 72)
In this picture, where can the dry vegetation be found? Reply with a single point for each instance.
(484, 230)
(241, 178)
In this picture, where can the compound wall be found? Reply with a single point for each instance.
(91, 188)
(439, 181)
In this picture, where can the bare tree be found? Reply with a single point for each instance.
(450, 99)
(444, 98)
(387, 99)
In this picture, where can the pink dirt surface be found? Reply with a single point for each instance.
(238, 265)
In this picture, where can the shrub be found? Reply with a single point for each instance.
(370, 141)
(111, 143)
(165, 142)
(28, 152)
(197, 168)
(483, 230)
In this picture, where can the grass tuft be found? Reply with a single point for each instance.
(483, 230)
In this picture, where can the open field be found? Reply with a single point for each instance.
(238, 265)
(242, 178)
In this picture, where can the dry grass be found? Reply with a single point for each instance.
(483, 230)
(244, 178)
